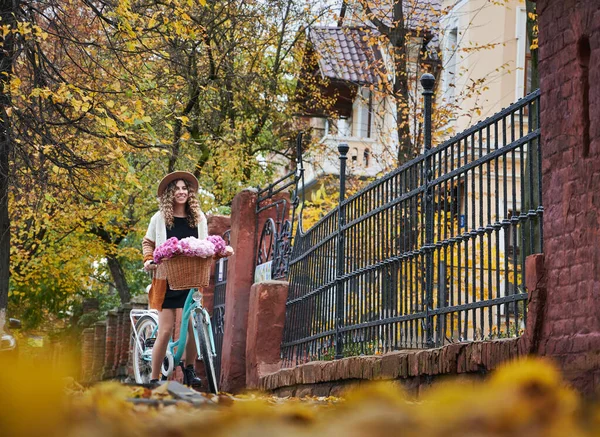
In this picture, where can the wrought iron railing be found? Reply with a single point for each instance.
(275, 243)
(429, 254)
(218, 316)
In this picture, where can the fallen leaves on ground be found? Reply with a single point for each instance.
(523, 398)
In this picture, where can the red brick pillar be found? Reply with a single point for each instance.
(110, 357)
(240, 275)
(569, 62)
(87, 354)
(246, 227)
(266, 318)
(535, 278)
(99, 350)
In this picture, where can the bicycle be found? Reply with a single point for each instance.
(145, 328)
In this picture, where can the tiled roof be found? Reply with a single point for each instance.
(346, 53)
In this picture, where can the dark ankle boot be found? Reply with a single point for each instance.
(189, 376)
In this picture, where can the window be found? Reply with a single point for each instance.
(528, 68)
(365, 117)
(523, 62)
(339, 127)
(318, 127)
(450, 63)
(366, 157)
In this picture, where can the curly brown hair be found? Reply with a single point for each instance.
(192, 206)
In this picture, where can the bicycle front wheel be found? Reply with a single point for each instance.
(206, 353)
(146, 328)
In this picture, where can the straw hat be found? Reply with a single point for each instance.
(176, 175)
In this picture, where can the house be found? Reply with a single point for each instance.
(342, 67)
(341, 89)
(486, 60)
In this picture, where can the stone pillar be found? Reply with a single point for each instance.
(87, 354)
(266, 318)
(99, 350)
(110, 355)
(569, 66)
(246, 227)
(240, 275)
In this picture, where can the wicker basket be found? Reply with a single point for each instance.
(185, 272)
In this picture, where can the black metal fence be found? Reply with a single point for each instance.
(275, 242)
(429, 254)
(218, 315)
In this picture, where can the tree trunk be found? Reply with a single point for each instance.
(119, 279)
(398, 40)
(396, 34)
(405, 147)
(116, 270)
(8, 12)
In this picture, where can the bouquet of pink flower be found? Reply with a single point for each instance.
(213, 246)
(222, 250)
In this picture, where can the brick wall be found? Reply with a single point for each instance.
(111, 336)
(569, 67)
(414, 369)
(87, 354)
(99, 350)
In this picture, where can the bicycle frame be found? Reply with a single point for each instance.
(135, 315)
(177, 348)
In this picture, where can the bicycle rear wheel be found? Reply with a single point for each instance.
(206, 354)
(146, 331)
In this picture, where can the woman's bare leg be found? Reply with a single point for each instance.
(166, 320)
(190, 346)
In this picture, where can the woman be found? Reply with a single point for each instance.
(179, 216)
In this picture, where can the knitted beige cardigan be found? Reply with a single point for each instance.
(155, 236)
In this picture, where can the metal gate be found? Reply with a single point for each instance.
(218, 316)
